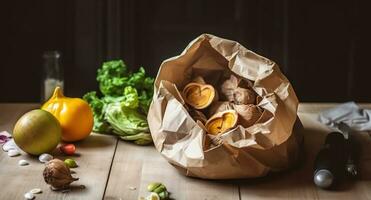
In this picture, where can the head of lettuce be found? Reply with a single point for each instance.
(123, 105)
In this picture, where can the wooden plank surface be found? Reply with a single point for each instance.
(94, 157)
(298, 183)
(137, 166)
(133, 167)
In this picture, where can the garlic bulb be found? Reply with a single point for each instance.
(243, 96)
(234, 90)
(228, 86)
(57, 174)
(249, 114)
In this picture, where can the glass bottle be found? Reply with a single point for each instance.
(52, 74)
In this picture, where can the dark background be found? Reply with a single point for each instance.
(321, 46)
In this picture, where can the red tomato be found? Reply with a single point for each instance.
(68, 149)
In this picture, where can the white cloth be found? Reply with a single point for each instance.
(356, 118)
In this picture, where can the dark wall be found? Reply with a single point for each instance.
(322, 46)
(27, 29)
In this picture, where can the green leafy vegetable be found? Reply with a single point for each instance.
(98, 107)
(125, 121)
(125, 102)
(131, 100)
(111, 77)
(140, 138)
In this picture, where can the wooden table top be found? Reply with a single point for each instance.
(113, 169)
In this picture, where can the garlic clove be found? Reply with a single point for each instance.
(29, 196)
(9, 145)
(23, 162)
(45, 157)
(35, 191)
(13, 153)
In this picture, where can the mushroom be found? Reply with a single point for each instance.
(199, 95)
(221, 122)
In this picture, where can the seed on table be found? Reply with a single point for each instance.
(13, 153)
(29, 196)
(9, 145)
(45, 157)
(70, 163)
(132, 188)
(153, 196)
(23, 162)
(36, 191)
(68, 149)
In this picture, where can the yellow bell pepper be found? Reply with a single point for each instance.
(73, 114)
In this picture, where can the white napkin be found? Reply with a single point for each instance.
(356, 118)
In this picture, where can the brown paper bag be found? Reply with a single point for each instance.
(269, 145)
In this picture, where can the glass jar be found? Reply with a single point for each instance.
(52, 74)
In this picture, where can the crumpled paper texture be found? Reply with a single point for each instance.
(272, 144)
(356, 118)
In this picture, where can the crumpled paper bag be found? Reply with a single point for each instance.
(272, 144)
